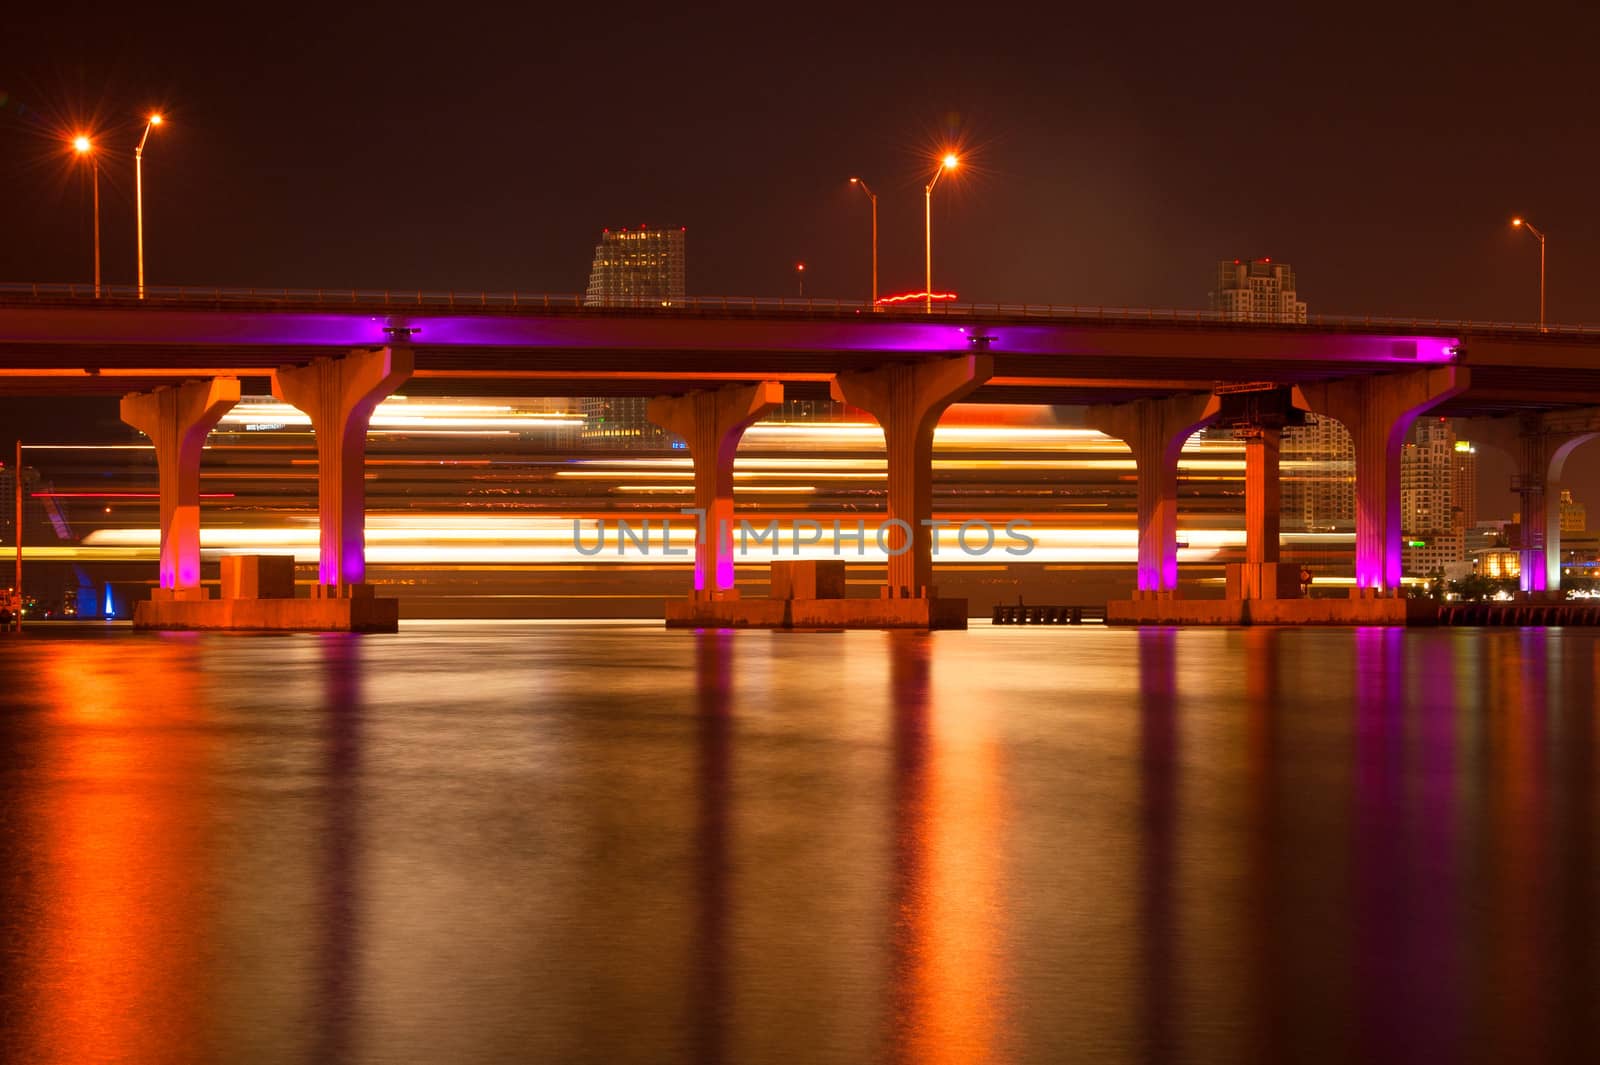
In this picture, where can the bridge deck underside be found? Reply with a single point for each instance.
(82, 369)
(76, 347)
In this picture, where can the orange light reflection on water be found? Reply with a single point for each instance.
(121, 961)
(948, 809)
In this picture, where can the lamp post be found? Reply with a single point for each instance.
(1523, 223)
(874, 198)
(84, 147)
(947, 163)
(138, 194)
(800, 277)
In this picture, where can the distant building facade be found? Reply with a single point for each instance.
(1574, 515)
(1464, 486)
(619, 422)
(641, 267)
(1257, 290)
(1317, 476)
(1434, 535)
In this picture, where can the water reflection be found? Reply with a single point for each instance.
(626, 845)
(341, 664)
(1158, 810)
(708, 990)
(946, 965)
(119, 934)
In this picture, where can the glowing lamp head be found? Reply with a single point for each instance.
(949, 162)
(155, 120)
(1516, 221)
(800, 266)
(855, 180)
(81, 145)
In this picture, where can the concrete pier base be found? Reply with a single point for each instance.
(816, 613)
(1389, 610)
(366, 614)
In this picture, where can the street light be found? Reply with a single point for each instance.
(1522, 223)
(947, 163)
(138, 194)
(84, 147)
(800, 276)
(874, 198)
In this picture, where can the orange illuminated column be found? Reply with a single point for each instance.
(177, 420)
(907, 399)
(712, 423)
(339, 396)
(1262, 497)
(1378, 412)
(1155, 431)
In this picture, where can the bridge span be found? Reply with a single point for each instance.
(1151, 379)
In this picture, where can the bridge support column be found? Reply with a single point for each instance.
(1539, 533)
(712, 424)
(907, 399)
(177, 421)
(1378, 411)
(1263, 499)
(339, 395)
(1541, 444)
(1155, 431)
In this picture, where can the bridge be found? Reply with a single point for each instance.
(1150, 378)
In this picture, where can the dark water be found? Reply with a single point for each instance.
(610, 843)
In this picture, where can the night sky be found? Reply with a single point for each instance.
(1116, 152)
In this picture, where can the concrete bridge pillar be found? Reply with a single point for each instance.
(1263, 498)
(177, 420)
(907, 399)
(1155, 431)
(1541, 444)
(1378, 411)
(1532, 485)
(712, 423)
(339, 396)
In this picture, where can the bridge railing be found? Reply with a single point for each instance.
(434, 300)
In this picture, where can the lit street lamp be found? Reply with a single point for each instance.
(84, 147)
(874, 198)
(947, 163)
(138, 194)
(1522, 223)
(800, 276)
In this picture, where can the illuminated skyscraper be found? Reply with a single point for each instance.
(1429, 517)
(641, 267)
(1257, 290)
(1465, 486)
(1574, 515)
(637, 268)
(1317, 465)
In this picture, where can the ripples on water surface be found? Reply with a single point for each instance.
(611, 843)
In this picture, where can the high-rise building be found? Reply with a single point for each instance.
(641, 267)
(1464, 487)
(1317, 470)
(620, 422)
(637, 268)
(1258, 290)
(1574, 515)
(1429, 518)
